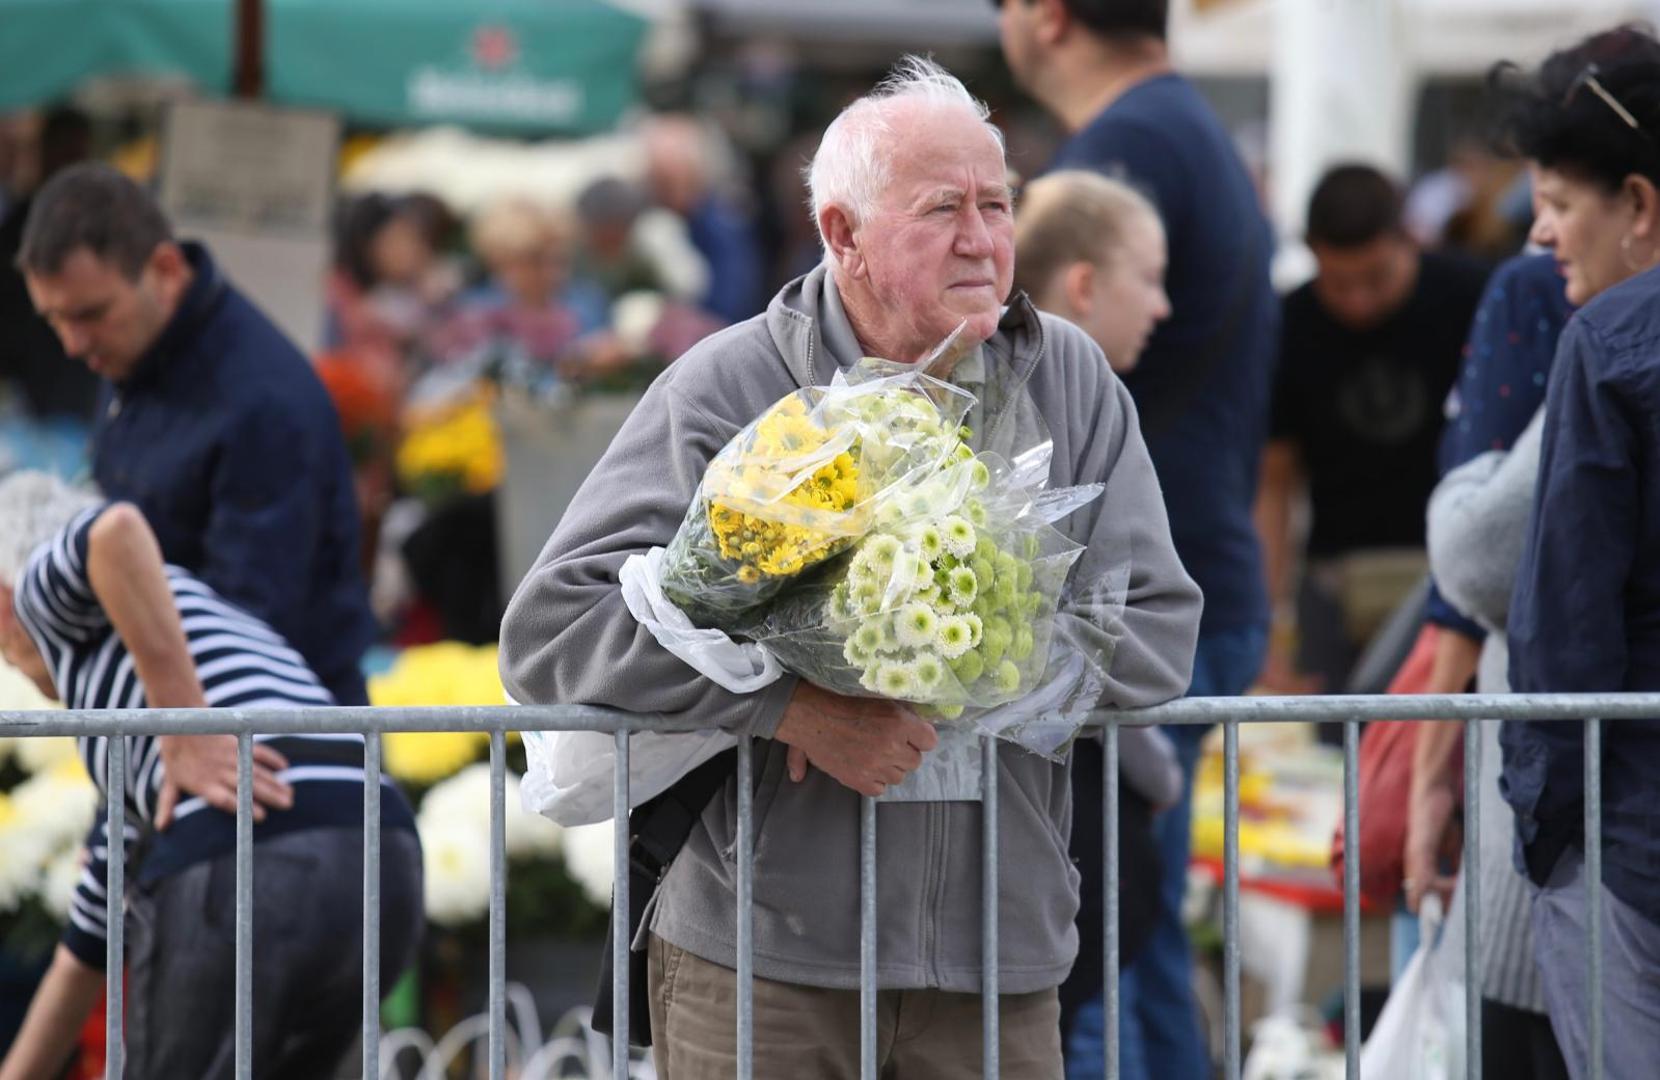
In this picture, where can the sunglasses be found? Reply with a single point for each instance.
(1588, 80)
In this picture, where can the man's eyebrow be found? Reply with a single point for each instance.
(939, 195)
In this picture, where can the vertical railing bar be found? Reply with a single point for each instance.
(1471, 884)
(746, 909)
(244, 905)
(371, 906)
(115, 908)
(498, 905)
(989, 1027)
(1230, 899)
(1109, 818)
(620, 943)
(1351, 899)
(1593, 884)
(867, 939)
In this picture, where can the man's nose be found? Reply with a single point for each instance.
(75, 342)
(1542, 233)
(973, 235)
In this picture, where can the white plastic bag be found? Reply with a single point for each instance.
(1420, 1033)
(569, 773)
(741, 667)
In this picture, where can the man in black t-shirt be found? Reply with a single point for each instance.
(1368, 351)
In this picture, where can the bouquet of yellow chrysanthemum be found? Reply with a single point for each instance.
(802, 483)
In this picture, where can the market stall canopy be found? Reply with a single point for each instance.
(932, 22)
(49, 47)
(513, 65)
(544, 66)
(1436, 37)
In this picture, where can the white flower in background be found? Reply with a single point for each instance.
(22, 851)
(58, 880)
(589, 859)
(17, 691)
(457, 871)
(634, 316)
(464, 801)
(41, 754)
(58, 804)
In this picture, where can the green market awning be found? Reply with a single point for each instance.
(533, 66)
(516, 65)
(49, 47)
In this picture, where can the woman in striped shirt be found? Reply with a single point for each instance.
(89, 611)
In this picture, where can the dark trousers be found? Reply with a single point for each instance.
(308, 956)
(1519, 1045)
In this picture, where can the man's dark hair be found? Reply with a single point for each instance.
(1575, 114)
(92, 206)
(1122, 20)
(1352, 206)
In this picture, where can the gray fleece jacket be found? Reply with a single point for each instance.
(567, 637)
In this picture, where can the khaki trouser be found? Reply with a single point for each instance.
(810, 1033)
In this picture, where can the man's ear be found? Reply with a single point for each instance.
(1645, 197)
(837, 228)
(170, 269)
(1078, 287)
(1053, 22)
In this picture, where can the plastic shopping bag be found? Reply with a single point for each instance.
(1420, 1033)
(569, 773)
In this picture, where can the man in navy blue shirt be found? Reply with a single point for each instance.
(1103, 69)
(210, 420)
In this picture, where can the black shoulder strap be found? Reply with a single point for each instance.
(657, 830)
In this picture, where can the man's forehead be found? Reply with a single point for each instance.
(929, 168)
(82, 280)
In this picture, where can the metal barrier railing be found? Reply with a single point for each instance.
(1351, 711)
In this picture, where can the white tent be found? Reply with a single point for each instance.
(1343, 74)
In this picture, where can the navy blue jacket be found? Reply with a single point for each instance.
(1586, 614)
(1502, 383)
(1203, 382)
(225, 438)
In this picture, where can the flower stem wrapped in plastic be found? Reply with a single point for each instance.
(802, 483)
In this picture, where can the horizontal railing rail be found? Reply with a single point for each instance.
(1351, 711)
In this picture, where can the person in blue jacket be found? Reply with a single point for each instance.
(1586, 610)
(210, 421)
(1103, 69)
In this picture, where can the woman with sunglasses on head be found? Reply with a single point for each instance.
(1585, 528)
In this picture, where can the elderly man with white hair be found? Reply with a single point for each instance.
(913, 205)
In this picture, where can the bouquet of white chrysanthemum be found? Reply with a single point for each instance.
(948, 603)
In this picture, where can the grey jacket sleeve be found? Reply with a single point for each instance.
(1130, 594)
(1478, 518)
(568, 637)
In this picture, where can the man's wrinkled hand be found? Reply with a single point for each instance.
(205, 765)
(865, 744)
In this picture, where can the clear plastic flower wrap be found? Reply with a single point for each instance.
(949, 602)
(804, 482)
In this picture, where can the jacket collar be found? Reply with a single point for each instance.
(207, 290)
(810, 330)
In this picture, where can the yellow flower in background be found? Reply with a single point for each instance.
(426, 757)
(448, 673)
(459, 441)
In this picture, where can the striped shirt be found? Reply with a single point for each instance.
(240, 661)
